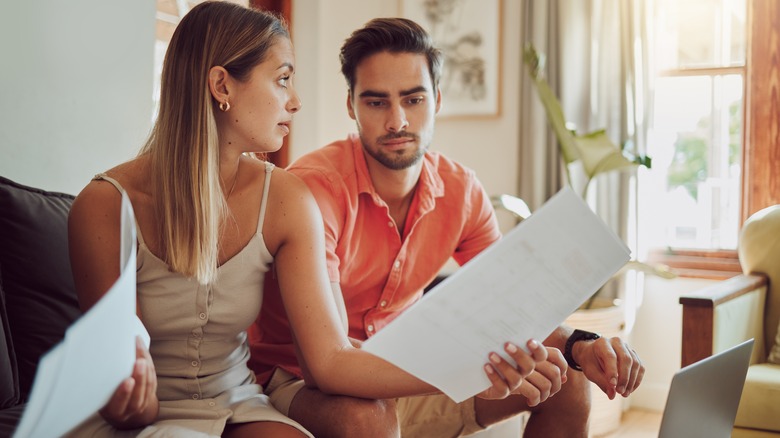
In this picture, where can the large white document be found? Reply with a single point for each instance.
(78, 376)
(520, 288)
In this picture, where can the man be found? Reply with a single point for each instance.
(394, 213)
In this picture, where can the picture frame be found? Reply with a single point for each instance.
(469, 34)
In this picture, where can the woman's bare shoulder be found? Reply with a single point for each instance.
(290, 190)
(101, 197)
(292, 211)
(287, 178)
(134, 176)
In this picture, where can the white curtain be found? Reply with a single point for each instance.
(597, 57)
(541, 175)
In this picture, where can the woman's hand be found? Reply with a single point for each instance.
(134, 403)
(507, 379)
(546, 379)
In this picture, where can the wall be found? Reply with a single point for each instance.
(77, 88)
(657, 337)
(487, 145)
(75, 104)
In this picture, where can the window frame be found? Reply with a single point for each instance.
(761, 123)
(760, 141)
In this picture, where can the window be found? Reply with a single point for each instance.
(691, 197)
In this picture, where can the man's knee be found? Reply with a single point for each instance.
(572, 404)
(363, 418)
(341, 416)
(575, 394)
(579, 384)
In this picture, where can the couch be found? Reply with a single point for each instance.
(37, 297)
(743, 307)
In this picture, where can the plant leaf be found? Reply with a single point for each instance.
(552, 107)
(658, 270)
(599, 154)
(644, 160)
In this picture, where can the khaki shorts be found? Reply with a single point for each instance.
(421, 416)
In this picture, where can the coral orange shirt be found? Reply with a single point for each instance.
(381, 272)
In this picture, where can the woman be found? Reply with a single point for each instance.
(210, 220)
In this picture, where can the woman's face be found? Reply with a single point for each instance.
(261, 107)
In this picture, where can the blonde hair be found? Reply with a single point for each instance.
(183, 147)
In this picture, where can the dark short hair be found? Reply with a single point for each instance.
(394, 35)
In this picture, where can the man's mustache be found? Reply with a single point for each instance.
(397, 135)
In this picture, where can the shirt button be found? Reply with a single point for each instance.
(212, 404)
(390, 224)
(383, 303)
(194, 363)
(195, 334)
(195, 396)
(202, 315)
(397, 264)
(371, 327)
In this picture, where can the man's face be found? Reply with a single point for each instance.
(393, 103)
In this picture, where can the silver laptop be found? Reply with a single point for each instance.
(704, 396)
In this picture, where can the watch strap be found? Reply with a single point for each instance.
(577, 335)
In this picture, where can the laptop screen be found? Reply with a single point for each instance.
(704, 396)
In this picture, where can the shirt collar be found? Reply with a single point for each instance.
(364, 183)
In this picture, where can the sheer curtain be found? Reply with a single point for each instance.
(597, 56)
(541, 175)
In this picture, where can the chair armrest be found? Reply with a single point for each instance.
(723, 314)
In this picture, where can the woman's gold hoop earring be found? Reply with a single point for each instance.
(224, 106)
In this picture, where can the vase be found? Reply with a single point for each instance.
(605, 317)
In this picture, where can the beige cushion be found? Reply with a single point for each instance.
(759, 407)
(759, 252)
(741, 432)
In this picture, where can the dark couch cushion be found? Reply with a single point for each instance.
(9, 419)
(35, 268)
(9, 378)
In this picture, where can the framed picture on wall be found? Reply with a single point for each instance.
(469, 34)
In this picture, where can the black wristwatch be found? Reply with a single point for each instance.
(578, 335)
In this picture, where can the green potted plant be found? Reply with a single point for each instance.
(594, 151)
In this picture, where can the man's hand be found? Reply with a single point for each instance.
(507, 379)
(611, 364)
(546, 379)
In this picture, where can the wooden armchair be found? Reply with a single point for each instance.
(743, 307)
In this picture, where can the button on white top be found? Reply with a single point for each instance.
(202, 315)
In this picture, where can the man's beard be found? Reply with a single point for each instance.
(395, 160)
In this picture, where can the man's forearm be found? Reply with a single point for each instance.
(558, 337)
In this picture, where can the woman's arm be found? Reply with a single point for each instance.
(333, 364)
(94, 245)
(338, 298)
(93, 241)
